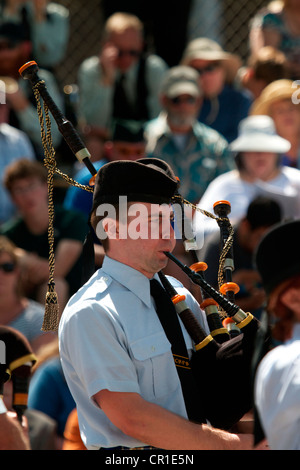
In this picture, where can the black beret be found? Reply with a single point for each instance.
(145, 180)
(277, 256)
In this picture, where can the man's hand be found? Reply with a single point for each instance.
(13, 436)
(108, 57)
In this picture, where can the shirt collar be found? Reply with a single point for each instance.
(296, 331)
(130, 278)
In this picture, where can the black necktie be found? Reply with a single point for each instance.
(121, 106)
(170, 322)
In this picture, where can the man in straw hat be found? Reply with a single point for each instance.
(223, 106)
(115, 355)
(277, 387)
(280, 101)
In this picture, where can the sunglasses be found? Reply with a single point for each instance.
(130, 52)
(208, 69)
(180, 99)
(7, 267)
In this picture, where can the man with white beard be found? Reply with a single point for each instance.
(196, 152)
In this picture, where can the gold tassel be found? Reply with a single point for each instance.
(51, 317)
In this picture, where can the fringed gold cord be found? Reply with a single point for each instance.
(51, 316)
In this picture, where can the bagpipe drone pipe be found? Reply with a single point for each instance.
(221, 363)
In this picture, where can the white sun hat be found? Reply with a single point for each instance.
(258, 134)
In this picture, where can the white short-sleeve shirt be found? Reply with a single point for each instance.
(111, 338)
(277, 394)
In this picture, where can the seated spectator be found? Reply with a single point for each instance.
(277, 101)
(48, 28)
(48, 390)
(121, 82)
(223, 105)
(264, 67)
(262, 213)
(195, 152)
(127, 143)
(277, 25)
(14, 144)
(27, 184)
(17, 311)
(259, 171)
(15, 51)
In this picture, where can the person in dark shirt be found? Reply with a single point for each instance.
(26, 182)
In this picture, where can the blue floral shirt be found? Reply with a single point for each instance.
(203, 156)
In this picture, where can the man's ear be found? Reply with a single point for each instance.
(111, 227)
(291, 299)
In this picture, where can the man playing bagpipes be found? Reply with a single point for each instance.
(116, 356)
(133, 353)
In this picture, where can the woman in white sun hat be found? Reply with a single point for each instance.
(259, 171)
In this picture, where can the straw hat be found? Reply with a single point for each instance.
(258, 134)
(207, 49)
(275, 91)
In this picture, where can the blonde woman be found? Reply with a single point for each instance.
(279, 100)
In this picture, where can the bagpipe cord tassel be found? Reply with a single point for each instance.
(51, 316)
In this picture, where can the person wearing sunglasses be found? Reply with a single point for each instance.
(122, 81)
(16, 310)
(196, 152)
(223, 105)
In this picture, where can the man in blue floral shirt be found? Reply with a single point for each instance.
(196, 153)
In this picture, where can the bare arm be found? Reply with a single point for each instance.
(260, 38)
(160, 428)
(66, 255)
(12, 435)
(37, 268)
